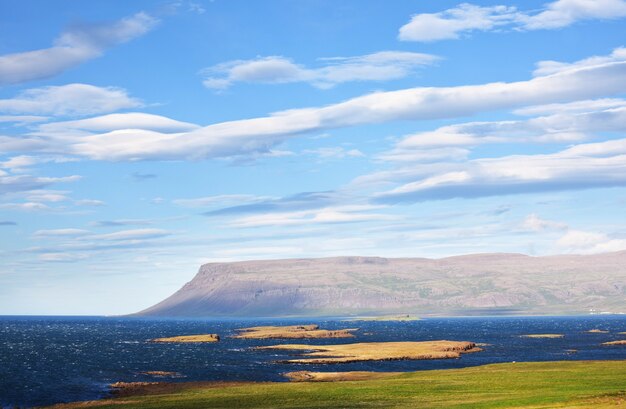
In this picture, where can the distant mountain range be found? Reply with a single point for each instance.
(478, 284)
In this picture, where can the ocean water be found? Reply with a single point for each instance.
(46, 360)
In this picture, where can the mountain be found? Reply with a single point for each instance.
(463, 285)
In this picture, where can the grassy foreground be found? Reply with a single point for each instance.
(573, 384)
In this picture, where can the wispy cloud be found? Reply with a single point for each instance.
(380, 66)
(297, 202)
(22, 183)
(70, 99)
(221, 200)
(337, 152)
(467, 18)
(135, 234)
(451, 23)
(60, 233)
(122, 222)
(573, 122)
(584, 166)
(73, 47)
(140, 176)
(325, 215)
(571, 240)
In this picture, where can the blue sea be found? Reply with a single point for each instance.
(46, 360)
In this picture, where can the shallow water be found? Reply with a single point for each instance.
(45, 360)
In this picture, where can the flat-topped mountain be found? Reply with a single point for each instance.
(461, 285)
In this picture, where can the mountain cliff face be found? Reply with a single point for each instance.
(463, 285)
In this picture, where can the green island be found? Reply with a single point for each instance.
(562, 384)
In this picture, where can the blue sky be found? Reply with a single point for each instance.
(141, 139)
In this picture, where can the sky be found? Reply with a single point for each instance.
(139, 140)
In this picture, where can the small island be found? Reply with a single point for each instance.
(292, 332)
(162, 374)
(542, 336)
(189, 338)
(618, 342)
(378, 351)
(597, 331)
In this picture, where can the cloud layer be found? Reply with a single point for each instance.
(260, 135)
(381, 66)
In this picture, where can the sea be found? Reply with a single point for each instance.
(47, 360)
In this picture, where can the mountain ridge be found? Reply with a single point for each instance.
(483, 283)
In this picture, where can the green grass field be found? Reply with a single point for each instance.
(573, 384)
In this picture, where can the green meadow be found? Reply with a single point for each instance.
(563, 384)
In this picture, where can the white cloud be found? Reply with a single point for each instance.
(135, 234)
(61, 257)
(466, 18)
(21, 163)
(25, 183)
(331, 214)
(221, 200)
(555, 67)
(431, 154)
(18, 162)
(588, 105)
(577, 241)
(26, 206)
(113, 122)
(89, 202)
(384, 65)
(449, 24)
(572, 124)
(562, 13)
(70, 99)
(536, 223)
(50, 196)
(23, 119)
(335, 152)
(74, 46)
(584, 166)
(122, 222)
(60, 233)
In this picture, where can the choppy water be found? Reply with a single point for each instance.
(45, 360)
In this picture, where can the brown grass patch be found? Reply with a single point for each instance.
(293, 332)
(378, 351)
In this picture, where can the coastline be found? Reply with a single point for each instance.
(581, 384)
